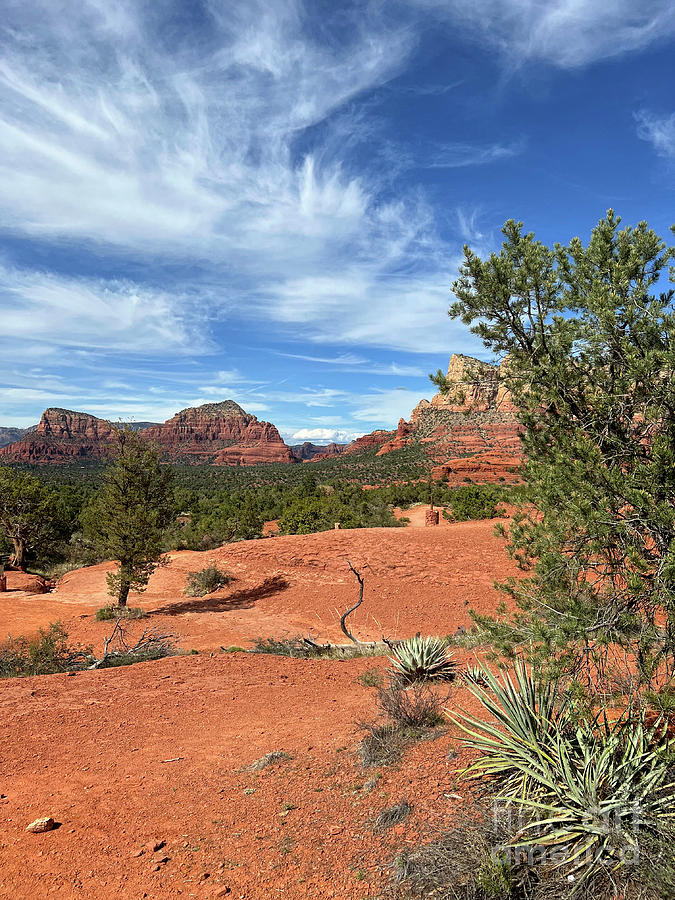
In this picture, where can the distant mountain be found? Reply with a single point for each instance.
(9, 435)
(305, 452)
(140, 426)
(217, 433)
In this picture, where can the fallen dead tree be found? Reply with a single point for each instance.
(118, 647)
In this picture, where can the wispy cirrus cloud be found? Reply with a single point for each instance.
(60, 311)
(458, 155)
(659, 130)
(564, 33)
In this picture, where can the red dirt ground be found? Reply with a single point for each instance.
(158, 751)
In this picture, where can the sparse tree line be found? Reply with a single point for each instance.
(140, 507)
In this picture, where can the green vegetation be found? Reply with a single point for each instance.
(46, 654)
(206, 581)
(587, 793)
(475, 501)
(591, 349)
(127, 519)
(586, 790)
(29, 514)
(211, 505)
(110, 613)
(422, 659)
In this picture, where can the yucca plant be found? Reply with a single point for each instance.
(527, 713)
(474, 675)
(588, 788)
(607, 783)
(422, 659)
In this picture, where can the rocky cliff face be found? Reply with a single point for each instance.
(471, 432)
(218, 433)
(62, 435)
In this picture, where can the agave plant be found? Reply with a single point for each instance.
(587, 788)
(422, 659)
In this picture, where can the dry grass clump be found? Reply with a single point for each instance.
(393, 815)
(406, 714)
(269, 759)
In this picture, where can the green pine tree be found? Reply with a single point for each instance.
(128, 518)
(590, 341)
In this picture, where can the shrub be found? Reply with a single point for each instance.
(206, 581)
(422, 659)
(474, 501)
(108, 613)
(413, 713)
(417, 706)
(46, 654)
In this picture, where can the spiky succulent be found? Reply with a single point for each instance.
(474, 675)
(587, 789)
(422, 659)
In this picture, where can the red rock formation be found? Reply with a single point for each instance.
(308, 451)
(481, 467)
(222, 434)
(368, 441)
(401, 438)
(218, 433)
(475, 420)
(62, 436)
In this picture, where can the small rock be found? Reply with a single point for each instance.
(39, 826)
(222, 892)
(154, 846)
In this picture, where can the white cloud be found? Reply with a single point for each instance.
(565, 33)
(93, 314)
(324, 435)
(117, 139)
(658, 130)
(458, 156)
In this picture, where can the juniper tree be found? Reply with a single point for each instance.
(589, 332)
(128, 517)
(28, 512)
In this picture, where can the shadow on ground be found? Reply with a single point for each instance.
(243, 599)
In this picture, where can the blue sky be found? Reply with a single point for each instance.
(267, 201)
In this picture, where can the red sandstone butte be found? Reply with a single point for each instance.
(218, 433)
(62, 436)
(222, 434)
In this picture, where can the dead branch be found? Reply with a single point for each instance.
(343, 617)
(152, 640)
